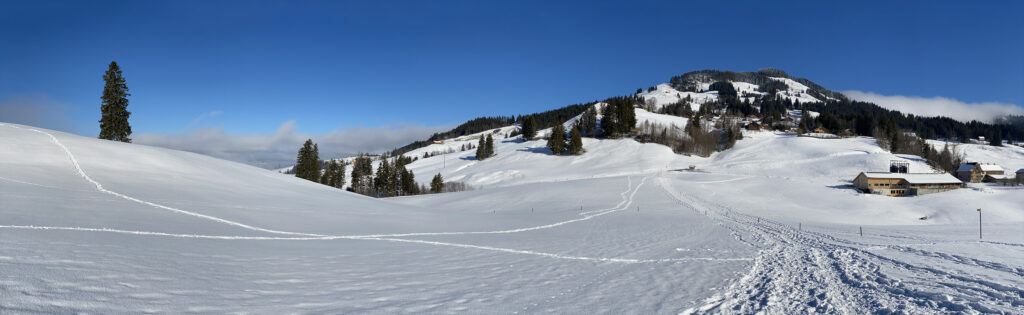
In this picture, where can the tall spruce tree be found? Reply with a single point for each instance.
(575, 141)
(114, 121)
(382, 181)
(481, 149)
(307, 164)
(314, 163)
(609, 120)
(627, 117)
(997, 139)
(557, 140)
(362, 175)
(490, 146)
(529, 128)
(588, 122)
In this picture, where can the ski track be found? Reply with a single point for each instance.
(627, 200)
(396, 240)
(812, 272)
(100, 188)
(795, 271)
(624, 204)
(28, 183)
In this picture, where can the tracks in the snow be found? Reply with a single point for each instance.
(627, 199)
(803, 272)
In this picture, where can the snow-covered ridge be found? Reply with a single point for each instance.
(108, 227)
(664, 94)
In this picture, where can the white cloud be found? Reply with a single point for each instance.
(278, 149)
(938, 106)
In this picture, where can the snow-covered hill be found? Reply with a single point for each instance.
(1009, 157)
(665, 94)
(769, 226)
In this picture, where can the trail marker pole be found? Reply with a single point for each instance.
(800, 226)
(862, 231)
(979, 223)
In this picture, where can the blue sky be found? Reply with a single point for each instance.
(249, 67)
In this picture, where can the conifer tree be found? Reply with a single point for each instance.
(557, 140)
(609, 123)
(362, 175)
(627, 118)
(529, 128)
(997, 139)
(803, 122)
(114, 121)
(481, 149)
(490, 146)
(588, 122)
(437, 184)
(307, 163)
(328, 172)
(314, 164)
(575, 141)
(409, 186)
(382, 181)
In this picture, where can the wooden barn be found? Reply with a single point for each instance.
(973, 172)
(905, 184)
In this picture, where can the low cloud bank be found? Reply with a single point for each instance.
(278, 149)
(36, 110)
(938, 106)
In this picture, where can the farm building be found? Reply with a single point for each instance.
(973, 172)
(905, 184)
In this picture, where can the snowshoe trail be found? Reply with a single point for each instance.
(811, 272)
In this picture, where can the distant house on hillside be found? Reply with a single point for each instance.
(905, 184)
(754, 126)
(973, 172)
(821, 130)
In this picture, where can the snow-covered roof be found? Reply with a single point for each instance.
(966, 167)
(916, 178)
(991, 168)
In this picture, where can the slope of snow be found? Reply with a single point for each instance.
(1009, 157)
(770, 226)
(660, 119)
(796, 92)
(664, 94)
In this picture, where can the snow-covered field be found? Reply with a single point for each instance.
(772, 225)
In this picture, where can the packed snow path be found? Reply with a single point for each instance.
(799, 271)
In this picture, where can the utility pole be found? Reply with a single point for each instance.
(979, 223)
